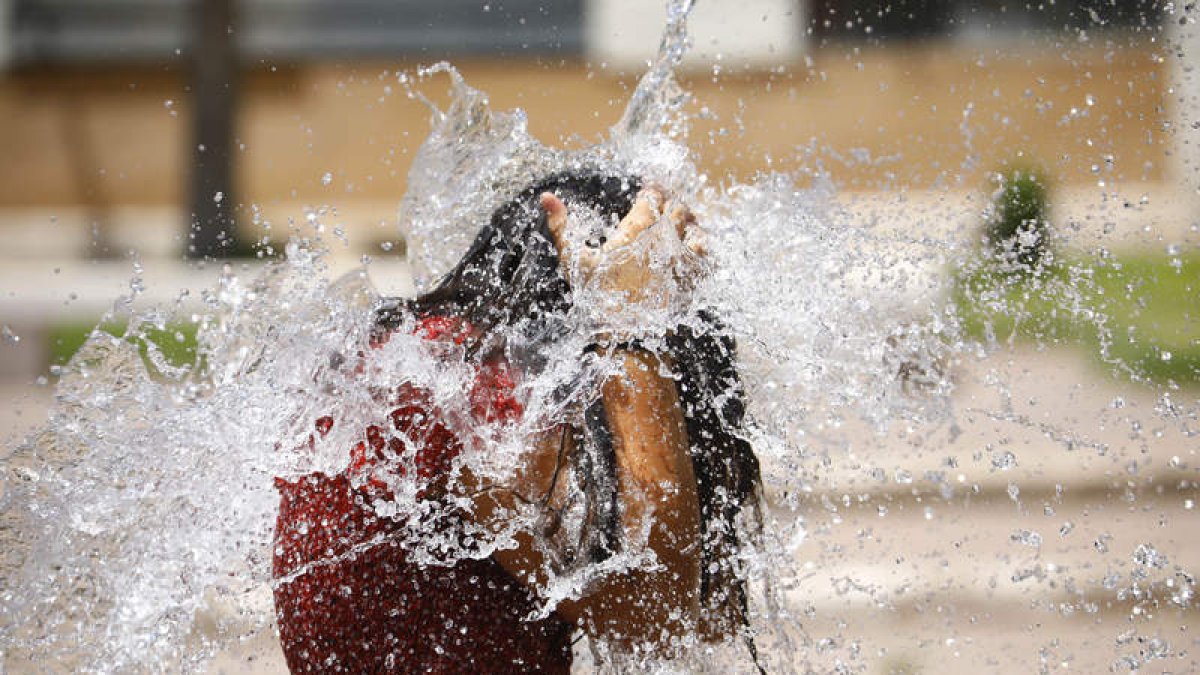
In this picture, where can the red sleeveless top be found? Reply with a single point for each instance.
(359, 607)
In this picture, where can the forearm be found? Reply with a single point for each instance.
(656, 487)
(654, 469)
(656, 482)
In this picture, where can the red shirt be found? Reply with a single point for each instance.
(359, 607)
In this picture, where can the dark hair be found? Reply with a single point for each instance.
(510, 273)
(510, 276)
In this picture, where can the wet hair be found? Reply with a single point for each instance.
(510, 273)
(510, 277)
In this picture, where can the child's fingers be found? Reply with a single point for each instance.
(644, 213)
(682, 219)
(556, 217)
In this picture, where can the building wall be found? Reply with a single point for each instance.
(924, 116)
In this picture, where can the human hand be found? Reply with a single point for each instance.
(643, 264)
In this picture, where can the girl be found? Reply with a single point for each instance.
(654, 460)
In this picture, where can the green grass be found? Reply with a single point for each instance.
(1140, 314)
(175, 342)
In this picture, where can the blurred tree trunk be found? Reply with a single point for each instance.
(214, 72)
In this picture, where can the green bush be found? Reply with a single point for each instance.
(1017, 229)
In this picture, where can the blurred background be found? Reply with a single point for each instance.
(144, 139)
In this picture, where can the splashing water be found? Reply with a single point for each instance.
(147, 502)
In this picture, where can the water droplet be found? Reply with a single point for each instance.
(218, 197)
(1027, 537)
(8, 335)
(327, 178)
(1003, 461)
(1147, 556)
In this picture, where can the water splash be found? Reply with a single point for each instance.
(473, 158)
(147, 496)
(147, 503)
(657, 101)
